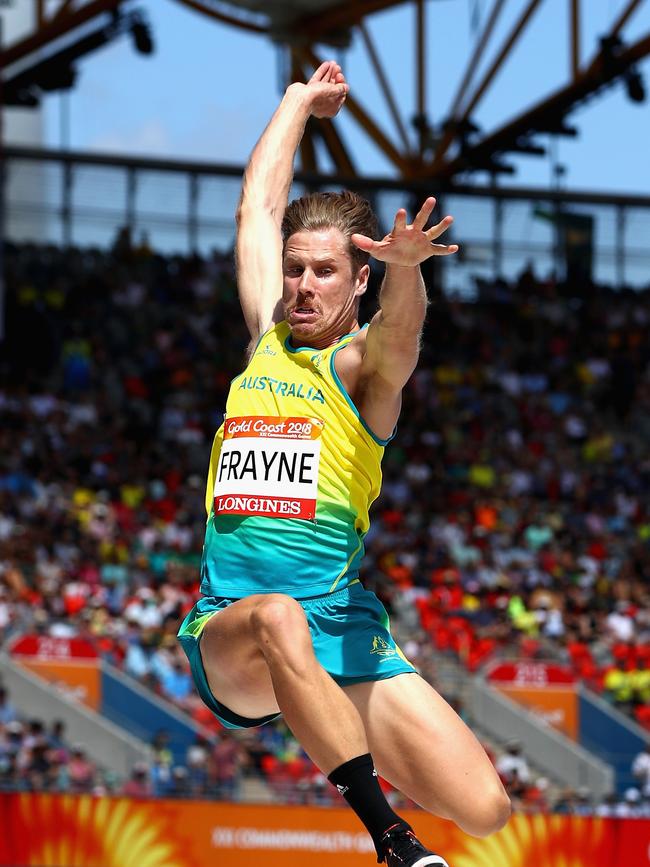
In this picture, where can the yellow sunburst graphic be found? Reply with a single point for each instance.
(545, 841)
(85, 831)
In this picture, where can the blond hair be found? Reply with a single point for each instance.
(345, 211)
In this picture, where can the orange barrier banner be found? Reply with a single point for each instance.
(72, 664)
(70, 831)
(81, 679)
(558, 706)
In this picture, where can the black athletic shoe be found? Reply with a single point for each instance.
(403, 849)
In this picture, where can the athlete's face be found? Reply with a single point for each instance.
(321, 292)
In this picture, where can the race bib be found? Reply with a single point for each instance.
(268, 466)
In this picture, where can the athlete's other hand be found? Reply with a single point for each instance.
(326, 90)
(409, 244)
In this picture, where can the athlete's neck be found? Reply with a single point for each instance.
(322, 341)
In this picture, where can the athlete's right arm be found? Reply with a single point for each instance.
(265, 192)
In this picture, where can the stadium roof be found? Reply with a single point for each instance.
(327, 20)
(416, 144)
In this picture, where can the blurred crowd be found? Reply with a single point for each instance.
(264, 764)
(514, 517)
(515, 507)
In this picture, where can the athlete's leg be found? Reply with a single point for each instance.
(258, 658)
(423, 748)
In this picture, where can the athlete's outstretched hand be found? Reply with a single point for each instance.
(409, 243)
(327, 89)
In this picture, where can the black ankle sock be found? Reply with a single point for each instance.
(357, 781)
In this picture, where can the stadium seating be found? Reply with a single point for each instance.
(514, 516)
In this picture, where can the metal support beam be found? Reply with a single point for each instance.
(625, 15)
(507, 47)
(66, 204)
(448, 136)
(421, 70)
(384, 84)
(54, 28)
(575, 38)
(334, 144)
(63, 9)
(419, 185)
(378, 136)
(224, 17)
(617, 26)
(547, 114)
(193, 214)
(497, 240)
(343, 15)
(131, 190)
(476, 55)
(621, 214)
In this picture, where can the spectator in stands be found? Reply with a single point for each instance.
(7, 710)
(81, 771)
(197, 760)
(607, 808)
(180, 786)
(583, 805)
(8, 776)
(640, 681)
(512, 765)
(535, 798)
(566, 803)
(619, 684)
(631, 806)
(14, 734)
(57, 740)
(228, 759)
(160, 775)
(139, 784)
(641, 770)
(177, 683)
(58, 778)
(160, 747)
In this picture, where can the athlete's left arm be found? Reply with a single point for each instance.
(392, 342)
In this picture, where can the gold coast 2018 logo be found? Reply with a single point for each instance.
(540, 839)
(93, 832)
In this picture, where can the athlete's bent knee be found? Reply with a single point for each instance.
(493, 809)
(276, 617)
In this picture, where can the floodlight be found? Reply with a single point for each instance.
(634, 85)
(142, 39)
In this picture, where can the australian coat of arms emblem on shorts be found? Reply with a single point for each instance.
(381, 647)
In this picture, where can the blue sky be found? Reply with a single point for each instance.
(209, 89)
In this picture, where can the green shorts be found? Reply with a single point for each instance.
(350, 632)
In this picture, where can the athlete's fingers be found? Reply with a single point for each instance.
(437, 230)
(400, 220)
(441, 250)
(323, 72)
(335, 72)
(424, 213)
(363, 242)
